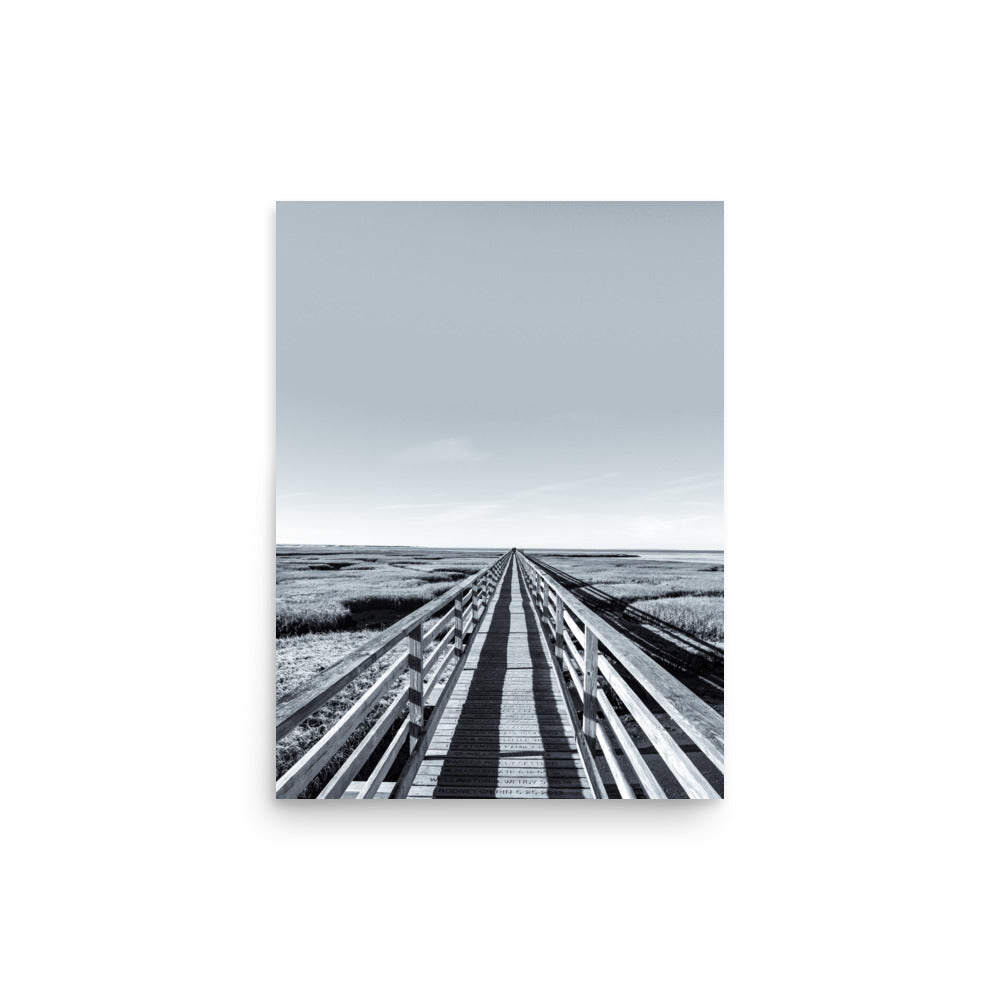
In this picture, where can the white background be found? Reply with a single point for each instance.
(145, 146)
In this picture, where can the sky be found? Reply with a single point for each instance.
(496, 374)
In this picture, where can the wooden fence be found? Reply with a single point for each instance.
(436, 640)
(616, 686)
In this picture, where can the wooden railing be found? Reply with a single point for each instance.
(615, 686)
(436, 639)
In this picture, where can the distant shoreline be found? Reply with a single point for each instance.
(683, 555)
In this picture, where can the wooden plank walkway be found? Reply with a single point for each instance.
(506, 731)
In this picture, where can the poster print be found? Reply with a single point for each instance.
(499, 527)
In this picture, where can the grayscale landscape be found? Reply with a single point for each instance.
(500, 568)
(332, 599)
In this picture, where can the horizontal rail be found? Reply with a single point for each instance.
(298, 776)
(431, 657)
(338, 784)
(458, 611)
(301, 703)
(679, 636)
(586, 664)
(631, 752)
(699, 720)
(583, 747)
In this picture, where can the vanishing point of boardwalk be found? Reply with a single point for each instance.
(517, 689)
(506, 730)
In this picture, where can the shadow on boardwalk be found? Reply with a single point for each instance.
(511, 736)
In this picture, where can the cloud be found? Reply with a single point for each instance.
(407, 506)
(557, 487)
(467, 512)
(444, 450)
(444, 513)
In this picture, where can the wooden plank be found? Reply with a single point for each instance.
(485, 739)
(554, 739)
(550, 724)
(484, 765)
(502, 781)
(428, 792)
(517, 723)
(559, 756)
(384, 790)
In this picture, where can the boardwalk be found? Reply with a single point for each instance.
(506, 730)
(516, 689)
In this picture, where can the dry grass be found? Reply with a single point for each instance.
(333, 588)
(686, 594)
(701, 616)
(299, 659)
(330, 600)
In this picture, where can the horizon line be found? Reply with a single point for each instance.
(582, 548)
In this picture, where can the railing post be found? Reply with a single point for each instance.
(415, 660)
(544, 598)
(459, 632)
(589, 684)
(559, 633)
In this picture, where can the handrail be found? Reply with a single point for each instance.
(463, 606)
(576, 643)
(302, 702)
(610, 684)
(680, 637)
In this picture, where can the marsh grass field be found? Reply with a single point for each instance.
(680, 591)
(332, 598)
